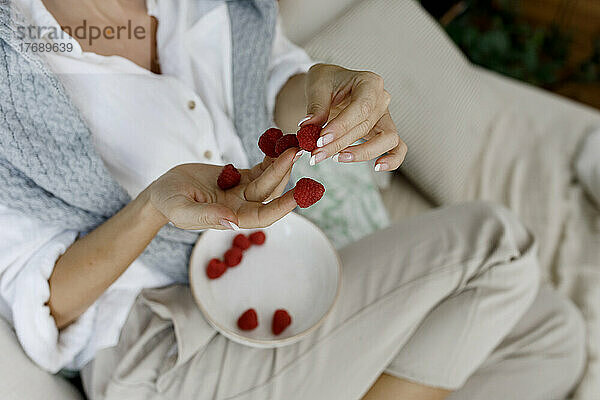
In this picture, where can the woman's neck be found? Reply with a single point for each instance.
(113, 27)
(110, 10)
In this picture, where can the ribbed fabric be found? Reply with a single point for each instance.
(49, 168)
(418, 62)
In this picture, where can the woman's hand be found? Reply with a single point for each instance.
(354, 106)
(188, 195)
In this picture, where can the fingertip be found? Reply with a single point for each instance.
(318, 116)
(229, 225)
(387, 163)
(290, 153)
(304, 120)
(288, 200)
(284, 204)
(286, 160)
(325, 139)
(225, 213)
(276, 209)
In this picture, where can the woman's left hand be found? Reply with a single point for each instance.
(354, 106)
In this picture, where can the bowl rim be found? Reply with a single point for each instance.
(269, 343)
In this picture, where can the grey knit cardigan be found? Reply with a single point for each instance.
(49, 169)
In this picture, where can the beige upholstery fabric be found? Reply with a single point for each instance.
(22, 379)
(402, 199)
(302, 19)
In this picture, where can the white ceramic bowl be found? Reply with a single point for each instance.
(296, 269)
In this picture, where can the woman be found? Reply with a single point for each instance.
(442, 306)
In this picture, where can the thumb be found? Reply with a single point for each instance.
(217, 216)
(319, 92)
(196, 216)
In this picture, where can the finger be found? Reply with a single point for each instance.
(369, 101)
(359, 132)
(280, 188)
(263, 215)
(393, 159)
(191, 215)
(381, 139)
(319, 93)
(259, 168)
(378, 145)
(260, 188)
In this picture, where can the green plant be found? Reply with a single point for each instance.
(491, 35)
(589, 70)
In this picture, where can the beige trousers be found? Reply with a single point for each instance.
(449, 299)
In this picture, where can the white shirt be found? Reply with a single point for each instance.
(142, 125)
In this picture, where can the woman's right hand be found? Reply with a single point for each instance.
(188, 195)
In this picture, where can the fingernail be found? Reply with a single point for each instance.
(303, 120)
(345, 157)
(325, 140)
(381, 167)
(298, 155)
(317, 158)
(229, 225)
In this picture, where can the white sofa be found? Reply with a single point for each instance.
(435, 90)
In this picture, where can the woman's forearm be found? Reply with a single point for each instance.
(91, 264)
(290, 106)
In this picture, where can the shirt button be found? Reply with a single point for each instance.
(208, 154)
(191, 104)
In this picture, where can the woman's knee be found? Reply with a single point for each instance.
(507, 224)
(508, 241)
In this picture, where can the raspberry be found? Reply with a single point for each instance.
(268, 140)
(308, 192)
(248, 320)
(285, 142)
(258, 237)
(308, 136)
(233, 257)
(281, 320)
(241, 242)
(215, 268)
(229, 177)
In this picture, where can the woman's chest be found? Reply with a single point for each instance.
(144, 124)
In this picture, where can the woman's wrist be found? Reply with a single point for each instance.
(148, 212)
(95, 261)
